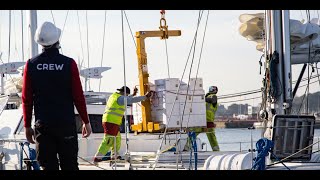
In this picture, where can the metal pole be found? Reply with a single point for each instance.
(177, 153)
(251, 147)
(299, 79)
(21, 156)
(9, 36)
(32, 25)
(115, 152)
(124, 81)
(276, 34)
(2, 84)
(85, 83)
(287, 81)
(318, 143)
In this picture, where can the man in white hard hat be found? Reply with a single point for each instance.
(52, 86)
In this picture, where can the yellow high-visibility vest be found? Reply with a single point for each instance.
(211, 110)
(113, 112)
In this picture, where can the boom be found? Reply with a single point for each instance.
(147, 125)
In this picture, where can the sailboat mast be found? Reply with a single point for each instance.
(281, 74)
(276, 62)
(287, 75)
(32, 26)
(278, 58)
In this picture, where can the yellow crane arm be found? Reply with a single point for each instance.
(147, 124)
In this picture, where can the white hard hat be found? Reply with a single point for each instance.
(47, 34)
(213, 89)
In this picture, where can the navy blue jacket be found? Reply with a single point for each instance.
(50, 75)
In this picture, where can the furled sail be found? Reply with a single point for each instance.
(13, 85)
(252, 28)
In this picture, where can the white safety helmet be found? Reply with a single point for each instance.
(213, 89)
(47, 34)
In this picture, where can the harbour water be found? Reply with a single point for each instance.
(239, 139)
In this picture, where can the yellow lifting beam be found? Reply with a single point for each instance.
(147, 124)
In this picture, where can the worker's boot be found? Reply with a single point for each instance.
(96, 160)
(118, 158)
(216, 148)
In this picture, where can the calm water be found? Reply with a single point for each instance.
(229, 139)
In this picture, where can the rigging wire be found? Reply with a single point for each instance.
(9, 35)
(305, 94)
(310, 83)
(124, 80)
(125, 15)
(307, 101)
(199, 61)
(54, 22)
(88, 44)
(196, 78)
(168, 68)
(185, 67)
(240, 100)
(239, 94)
(162, 12)
(80, 41)
(81, 45)
(65, 20)
(15, 35)
(191, 65)
(254, 93)
(9, 50)
(193, 57)
(104, 33)
(226, 96)
(318, 73)
(64, 24)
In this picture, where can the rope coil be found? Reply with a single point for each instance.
(263, 146)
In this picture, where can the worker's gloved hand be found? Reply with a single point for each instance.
(29, 135)
(86, 130)
(149, 94)
(135, 91)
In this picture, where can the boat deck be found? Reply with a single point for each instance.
(146, 160)
(168, 161)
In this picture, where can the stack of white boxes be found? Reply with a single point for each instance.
(167, 99)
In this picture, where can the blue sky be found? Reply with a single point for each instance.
(228, 60)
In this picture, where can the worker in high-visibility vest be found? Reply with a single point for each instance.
(211, 108)
(112, 120)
